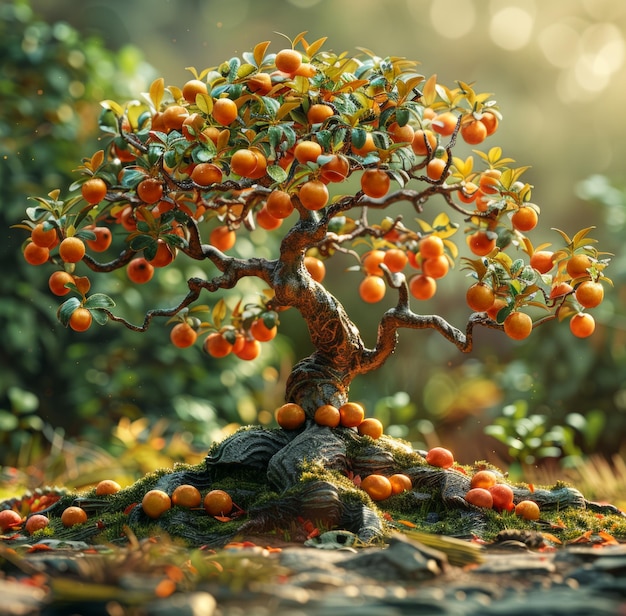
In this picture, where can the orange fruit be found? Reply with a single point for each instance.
(186, 495)
(103, 239)
(80, 320)
(481, 243)
(577, 265)
(173, 117)
(315, 267)
(489, 181)
(164, 254)
(192, 88)
(435, 169)
(490, 120)
(368, 146)
(589, 294)
(9, 519)
(468, 193)
(400, 483)
(107, 486)
(183, 335)
(155, 503)
(318, 113)
(518, 325)
(150, 190)
(36, 522)
(266, 221)
(480, 497)
(371, 427)
(205, 174)
(372, 289)
(224, 111)
(422, 287)
(502, 497)
(582, 325)
(395, 259)
(444, 123)
(351, 414)
(290, 416)
(313, 195)
(335, 170)
(57, 282)
(483, 479)
(424, 142)
(327, 415)
(378, 487)
(288, 60)
(431, 247)
(249, 350)
(279, 204)
(244, 163)
(371, 261)
(216, 345)
(139, 270)
(218, 502)
(73, 515)
(560, 288)
(474, 132)
(192, 127)
(480, 297)
(72, 249)
(44, 239)
(401, 134)
(94, 190)
(440, 456)
(307, 151)
(495, 308)
(222, 238)
(527, 509)
(525, 219)
(542, 261)
(262, 332)
(375, 183)
(436, 267)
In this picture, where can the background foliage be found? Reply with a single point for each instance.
(556, 73)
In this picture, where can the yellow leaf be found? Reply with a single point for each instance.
(314, 47)
(205, 103)
(157, 89)
(116, 108)
(97, 159)
(441, 220)
(219, 312)
(259, 52)
(429, 91)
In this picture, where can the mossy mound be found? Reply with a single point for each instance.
(291, 485)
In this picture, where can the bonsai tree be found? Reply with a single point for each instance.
(320, 148)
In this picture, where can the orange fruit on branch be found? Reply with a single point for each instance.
(57, 282)
(582, 325)
(80, 320)
(589, 294)
(279, 204)
(372, 289)
(375, 183)
(351, 414)
(139, 270)
(518, 325)
(474, 132)
(216, 345)
(288, 60)
(315, 267)
(103, 239)
(155, 503)
(72, 249)
(313, 195)
(480, 297)
(94, 190)
(290, 416)
(192, 88)
(183, 335)
(44, 238)
(327, 415)
(525, 218)
(422, 287)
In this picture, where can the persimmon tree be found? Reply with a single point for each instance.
(320, 148)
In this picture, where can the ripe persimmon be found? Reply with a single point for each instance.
(474, 132)
(375, 183)
(260, 83)
(164, 254)
(395, 259)
(218, 502)
(103, 240)
(94, 190)
(401, 134)
(435, 168)
(57, 282)
(155, 503)
(266, 221)
(582, 325)
(36, 522)
(9, 519)
(173, 117)
(378, 487)
(150, 190)
(183, 335)
(243, 162)
(424, 142)
(483, 479)
(468, 193)
(45, 238)
(73, 515)
(307, 151)
(479, 497)
(249, 350)
(422, 287)
(431, 246)
(72, 249)
(224, 111)
(192, 88)
(527, 509)
(279, 204)
(489, 181)
(205, 174)
(288, 60)
(436, 267)
(371, 261)
(290, 416)
(542, 261)
(525, 219)
(335, 170)
(313, 195)
(315, 267)
(222, 238)
(440, 456)
(372, 289)
(578, 264)
(262, 332)
(352, 414)
(371, 427)
(139, 270)
(186, 495)
(216, 345)
(444, 123)
(502, 495)
(319, 113)
(589, 294)
(518, 325)
(480, 297)
(481, 242)
(80, 319)
(107, 487)
(400, 483)
(490, 120)
(327, 415)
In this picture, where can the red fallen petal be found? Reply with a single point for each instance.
(407, 523)
(130, 508)
(39, 547)
(222, 518)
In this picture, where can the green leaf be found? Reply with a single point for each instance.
(270, 319)
(402, 116)
(99, 300)
(66, 309)
(277, 173)
(358, 137)
(275, 134)
(100, 317)
(143, 242)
